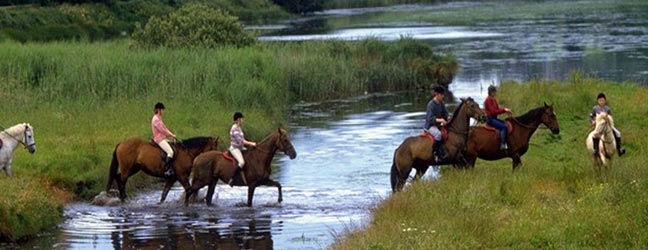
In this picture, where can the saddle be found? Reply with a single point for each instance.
(163, 155)
(493, 129)
(444, 135)
(238, 180)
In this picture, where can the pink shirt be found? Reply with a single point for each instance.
(159, 130)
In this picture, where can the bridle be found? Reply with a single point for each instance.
(24, 137)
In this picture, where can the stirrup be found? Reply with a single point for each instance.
(169, 172)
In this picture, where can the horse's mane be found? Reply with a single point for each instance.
(12, 130)
(196, 142)
(529, 116)
(602, 116)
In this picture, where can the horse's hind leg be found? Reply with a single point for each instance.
(167, 187)
(210, 192)
(269, 182)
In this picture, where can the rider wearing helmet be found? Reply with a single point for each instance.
(238, 143)
(160, 135)
(436, 116)
(601, 107)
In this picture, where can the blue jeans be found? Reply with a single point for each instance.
(500, 126)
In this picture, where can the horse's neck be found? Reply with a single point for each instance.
(11, 137)
(527, 130)
(459, 124)
(265, 150)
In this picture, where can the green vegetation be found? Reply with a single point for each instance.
(193, 25)
(96, 21)
(495, 11)
(555, 201)
(83, 98)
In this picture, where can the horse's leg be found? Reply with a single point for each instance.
(420, 171)
(210, 192)
(8, 168)
(269, 182)
(516, 161)
(121, 183)
(251, 188)
(167, 186)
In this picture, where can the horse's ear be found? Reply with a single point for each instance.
(462, 99)
(279, 130)
(546, 106)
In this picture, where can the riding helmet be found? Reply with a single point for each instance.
(237, 115)
(601, 95)
(439, 90)
(159, 105)
(492, 89)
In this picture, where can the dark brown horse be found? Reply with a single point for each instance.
(135, 154)
(483, 142)
(416, 152)
(212, 166)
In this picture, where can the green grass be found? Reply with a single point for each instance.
(495, 11)
(83, 98)
(555, 201)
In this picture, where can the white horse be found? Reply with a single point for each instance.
(607, 145)
(22, 133)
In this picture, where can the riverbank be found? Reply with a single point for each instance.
(83, 98)
(556, 199)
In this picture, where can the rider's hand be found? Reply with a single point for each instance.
(507, 110)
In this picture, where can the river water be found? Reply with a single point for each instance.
(345, 146)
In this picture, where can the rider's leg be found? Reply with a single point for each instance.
(595, 144)
(164, 145)
(502, 131)
(238, 155)
(617, 138)
(437, 149)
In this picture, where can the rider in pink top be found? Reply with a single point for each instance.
(160, 135)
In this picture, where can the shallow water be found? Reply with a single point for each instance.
(342, 170)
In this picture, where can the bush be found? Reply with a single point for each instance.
(194, 25)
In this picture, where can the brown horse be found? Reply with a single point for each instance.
(135, 154)
(416, 152)
(484, 143)
(211, 166)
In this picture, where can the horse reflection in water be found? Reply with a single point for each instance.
(253, 234)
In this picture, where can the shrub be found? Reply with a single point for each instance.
(193, 25)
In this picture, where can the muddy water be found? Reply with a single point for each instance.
(344, 153)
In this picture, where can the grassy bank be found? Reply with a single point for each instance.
(83, 98)
(94, 21)
(555, 201)
(495, 11)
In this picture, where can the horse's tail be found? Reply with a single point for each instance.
(395, 177)
(112, 174)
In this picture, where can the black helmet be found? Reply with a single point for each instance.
(237, 115)
(439, 90)
(600, 95)
(492, 89)
(159, 105)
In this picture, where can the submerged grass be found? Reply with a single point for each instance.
(495, 11)
(555, 201)
(84, 98)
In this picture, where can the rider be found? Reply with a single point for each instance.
(436, 116)
(601, 107)
(492, 110)
(160, 134)
(237, 143)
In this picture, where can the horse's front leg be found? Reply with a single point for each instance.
(251, 188)
(167, 186)
(7, 169)
(269, 182)
(516, 161)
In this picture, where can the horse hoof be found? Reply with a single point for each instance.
(280, 200)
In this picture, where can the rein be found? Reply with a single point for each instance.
(12, 137)
(522, 124)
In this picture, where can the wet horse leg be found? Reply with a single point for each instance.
(269, 182)
(210, 192)
(251, 188)
(167, 186)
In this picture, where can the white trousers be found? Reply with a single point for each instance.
(164, 144)
(238, 155)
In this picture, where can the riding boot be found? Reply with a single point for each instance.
(439, 152)
(620, 148)
(503, 144)
(167, 167)
(596, 145)
(237, 172)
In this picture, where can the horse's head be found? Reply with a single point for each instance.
(604, 124)
(550, 119)
(472, 109)
(284, 145)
